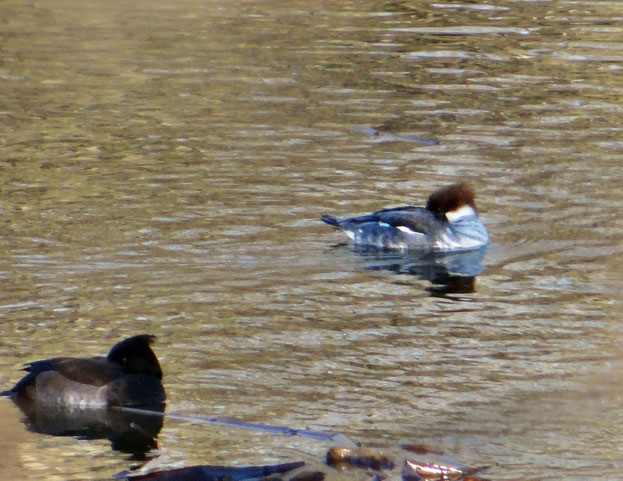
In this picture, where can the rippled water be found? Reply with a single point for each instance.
(163, 168)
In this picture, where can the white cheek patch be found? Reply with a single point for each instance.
(464, 211)
(406, 229)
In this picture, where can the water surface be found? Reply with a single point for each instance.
(163, 168)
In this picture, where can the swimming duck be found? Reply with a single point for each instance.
(130, 375)
(449, 222)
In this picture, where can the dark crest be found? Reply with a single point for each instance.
(135, 356)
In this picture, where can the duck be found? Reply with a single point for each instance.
(129, 375)
(449, 222)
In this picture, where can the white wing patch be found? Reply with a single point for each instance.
(406, 229)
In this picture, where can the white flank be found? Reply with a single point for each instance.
(464, 211)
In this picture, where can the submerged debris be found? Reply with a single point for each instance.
(342, 458)
(414, 471)
(308, 476)
(422, 449)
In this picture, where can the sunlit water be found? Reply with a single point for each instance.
(163, 170)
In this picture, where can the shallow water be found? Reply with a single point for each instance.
(163, 168)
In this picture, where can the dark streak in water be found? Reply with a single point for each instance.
(335, 437)
(388, 137)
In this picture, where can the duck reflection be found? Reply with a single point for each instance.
(128, 432)
(449, 272)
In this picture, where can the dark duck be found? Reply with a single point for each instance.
(130, 375)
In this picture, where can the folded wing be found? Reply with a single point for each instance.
(407, 218)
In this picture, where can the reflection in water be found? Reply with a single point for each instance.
(129, 432)
(450, 272)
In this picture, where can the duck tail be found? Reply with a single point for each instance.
(329, 219)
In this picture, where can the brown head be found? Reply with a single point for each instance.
(450, 199)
